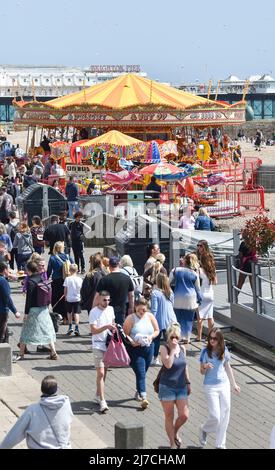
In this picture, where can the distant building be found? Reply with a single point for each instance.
(48, 82)
(260, 93)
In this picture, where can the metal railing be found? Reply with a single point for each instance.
(257, 317)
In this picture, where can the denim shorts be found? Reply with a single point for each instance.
(167, 393)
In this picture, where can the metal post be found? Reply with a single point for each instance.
(27, 143)
(233, 280)
(258, 289)
(236, 241)
(229, 279)
(45, 207)
(254, 288)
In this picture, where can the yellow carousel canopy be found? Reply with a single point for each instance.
(132, 90)
(112, 138)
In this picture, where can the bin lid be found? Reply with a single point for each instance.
(35, 191)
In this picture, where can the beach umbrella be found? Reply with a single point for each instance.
(160, 169)
(153, 153)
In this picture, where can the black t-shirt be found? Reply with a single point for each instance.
(57, 233)
(76, 233)
(118, 285)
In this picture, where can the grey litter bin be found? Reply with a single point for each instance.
(139, 232)
(42, 200)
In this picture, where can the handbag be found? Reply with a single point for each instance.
(116, 354)
(157, 380)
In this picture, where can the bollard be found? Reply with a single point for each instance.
(129, 436)
(5, 360)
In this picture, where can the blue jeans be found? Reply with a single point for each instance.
(141, 358)
(22, 260)
(157, 342)
(185, 319)
(73, 206)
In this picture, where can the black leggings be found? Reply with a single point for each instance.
(78, 257)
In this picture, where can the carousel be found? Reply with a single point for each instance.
(131, 104)
(140, 123)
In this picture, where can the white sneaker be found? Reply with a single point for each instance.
(103, 407)
(137, 396)
(202, 437)
(97, 399)
(155, 361)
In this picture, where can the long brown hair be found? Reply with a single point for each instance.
(162, 282)
(220, 343)
(207, 262)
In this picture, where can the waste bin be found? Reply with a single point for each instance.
(139, 232)
(42, 200)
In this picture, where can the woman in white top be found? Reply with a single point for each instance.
(142, 328)
(187, 220)
(208, 278)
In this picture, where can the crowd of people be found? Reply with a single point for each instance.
(153, 311)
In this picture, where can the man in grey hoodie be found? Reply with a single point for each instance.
(46, 424)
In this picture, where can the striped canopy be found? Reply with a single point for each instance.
(132, 90)
(112, 138)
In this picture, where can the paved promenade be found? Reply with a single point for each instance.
(252, 416)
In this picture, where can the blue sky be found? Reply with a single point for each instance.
(172, 40)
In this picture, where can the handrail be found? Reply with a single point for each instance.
(266, 301)
(240, 271)
(239, 290)
(265, 279)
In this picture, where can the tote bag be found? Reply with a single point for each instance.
(116, 354)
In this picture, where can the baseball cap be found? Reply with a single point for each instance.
(114, 261)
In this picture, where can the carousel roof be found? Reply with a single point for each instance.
(113, 138)
(131, 90)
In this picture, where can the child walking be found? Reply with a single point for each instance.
(72, 286)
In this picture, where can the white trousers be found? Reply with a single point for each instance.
(218, 402)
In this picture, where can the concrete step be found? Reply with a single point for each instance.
(251, 348)
(225, 328)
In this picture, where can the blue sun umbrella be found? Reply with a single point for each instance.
(152, 154)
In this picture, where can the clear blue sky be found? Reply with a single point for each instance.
(172, 40)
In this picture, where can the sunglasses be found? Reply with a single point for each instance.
(174, 337)
(199, 246)
(106, 300)
(213, 338)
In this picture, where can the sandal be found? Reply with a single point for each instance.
(178, 442)
(26, 351)
(53, 357)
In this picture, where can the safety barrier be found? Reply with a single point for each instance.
(254, 313)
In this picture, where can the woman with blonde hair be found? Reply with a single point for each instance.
(5, 238)
(162, 301)
(55, 269)
(187, 293)
(23, 243)
(150, 275)
(208, 278)
(174, 385)
(204, 221)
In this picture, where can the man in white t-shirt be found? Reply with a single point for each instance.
(101, 319)
(72, 286)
